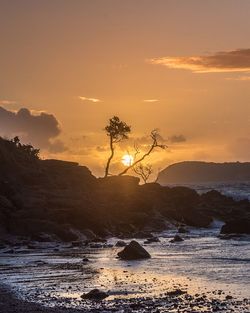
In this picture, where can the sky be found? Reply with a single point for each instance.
(180, 66)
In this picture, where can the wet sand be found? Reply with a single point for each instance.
(53, 278)
(9, 303)
(185, 302)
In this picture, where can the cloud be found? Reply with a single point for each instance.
(240, 78)
(7, 102)
(225, 61)
(39, 128)
(150, 100)
(102, 148)
(177, 138)
(89, 99)
(57, 146)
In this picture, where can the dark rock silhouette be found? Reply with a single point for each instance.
(176, 238)
(238, 226)
(95, 294)
(182, 230)
(176, 293)
(133, 251)
(194, 171)
(58, 200)
(120, 243)
(152, 240)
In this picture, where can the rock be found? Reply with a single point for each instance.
(142, 235)
(133, 251)
(98, 239)
(197, 218)
(43, 237)
(182, 230)
(238, 226)
(39, 263)
(31, 227)
(96, 245)
(89, 234)
(95, 294)
(77, 243)
(120, 243)
(32, 246)
(176, 238)
(228, 236)
(151, 240)
(175, 293)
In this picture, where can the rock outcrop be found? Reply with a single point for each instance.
(237, 226)
(66, 202)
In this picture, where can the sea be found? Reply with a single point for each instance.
(236, 190)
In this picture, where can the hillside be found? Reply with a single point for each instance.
(195, 172)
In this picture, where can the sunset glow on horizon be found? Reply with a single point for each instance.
(127, 160)
(182, 67)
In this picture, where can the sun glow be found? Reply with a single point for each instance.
(127, 160)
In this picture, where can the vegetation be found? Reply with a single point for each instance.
(155, 144)
(143, 171)
(28, 149)
(13, 150)
(117, 131)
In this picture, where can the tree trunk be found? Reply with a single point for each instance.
(110, 158)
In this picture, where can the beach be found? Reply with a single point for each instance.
(189, 276)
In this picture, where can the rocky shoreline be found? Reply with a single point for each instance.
(176, 300)
(49, 200)
(9, 303)
(60, 278)
(55, 211)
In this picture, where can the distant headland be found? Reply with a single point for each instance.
(201, 172)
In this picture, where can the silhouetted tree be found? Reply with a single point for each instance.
(27, 150)
(144, 171)
(117, 131)
(155, 137)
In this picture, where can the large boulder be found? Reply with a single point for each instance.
(239, 226)
(133, 251)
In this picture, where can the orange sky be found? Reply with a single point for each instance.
(191, 57)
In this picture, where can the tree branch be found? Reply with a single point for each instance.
(153, 135)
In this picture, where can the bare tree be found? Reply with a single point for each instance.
(144, 171)
(117, 131)
(155, 144)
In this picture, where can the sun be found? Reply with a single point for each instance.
(127, 160)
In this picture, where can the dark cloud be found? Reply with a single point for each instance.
(177, 138)
(225, 61)
(40, 128)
